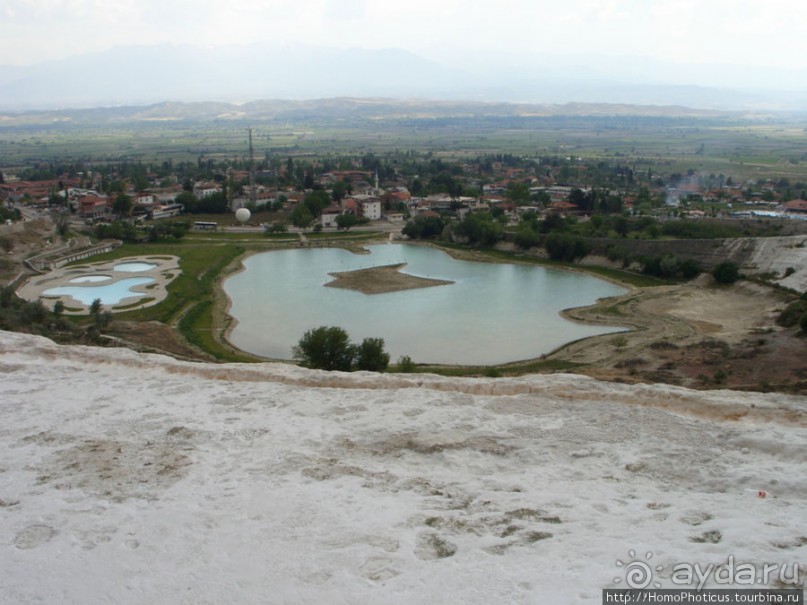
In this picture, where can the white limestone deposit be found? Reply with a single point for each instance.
(130, 478)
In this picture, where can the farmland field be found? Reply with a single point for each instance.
(773, 146)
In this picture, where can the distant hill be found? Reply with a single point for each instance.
(343, 109)
(140, 75)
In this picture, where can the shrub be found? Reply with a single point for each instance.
(167, 231)
(566, 247)
(117, 230)
(689, 229)
(690, 268)
(526, 237)
(405, 364)
(792, 314)
(651, 265)
(614, 253)
(669, 265)
(480, 228)
(726, 272)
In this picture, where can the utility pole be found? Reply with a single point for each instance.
(253, 195)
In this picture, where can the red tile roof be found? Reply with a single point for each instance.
(796, 205)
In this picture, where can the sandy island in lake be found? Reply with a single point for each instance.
(377, 280)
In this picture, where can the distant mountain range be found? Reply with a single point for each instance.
(140, 75)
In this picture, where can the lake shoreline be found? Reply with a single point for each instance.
(464, 325)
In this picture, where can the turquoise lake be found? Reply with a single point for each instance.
(493, 313)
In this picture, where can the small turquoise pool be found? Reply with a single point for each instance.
(86, 279)
(110, 294)
(134, 267)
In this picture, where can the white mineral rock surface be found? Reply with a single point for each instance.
(130, 478)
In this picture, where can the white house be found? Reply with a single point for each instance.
(371, 209)
(368, 206)
(203, 190)
(329, 215)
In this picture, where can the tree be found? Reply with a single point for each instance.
(371, 356)
(480, 228)
(526, 236)
(316, 201)
(215, 203)
(552, 223)
(6, 296)
(122, 205)
(58, 308)
(100, 317)
(518, 193)
(424, 227)
(621, 225)
(301, 217)
(340, 190)
(579, 198)
(188, 201)
(61, 220)
(346, 221)
(444, 182)
(542, 197)
(162, 231)
(325, 348)
(117, 230)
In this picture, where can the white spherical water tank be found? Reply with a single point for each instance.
(242, 215)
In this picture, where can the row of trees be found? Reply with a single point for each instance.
(128, 232)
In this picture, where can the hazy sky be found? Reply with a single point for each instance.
(745, 32)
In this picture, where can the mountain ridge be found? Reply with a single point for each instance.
(142, 75)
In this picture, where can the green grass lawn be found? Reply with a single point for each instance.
(189, 304)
